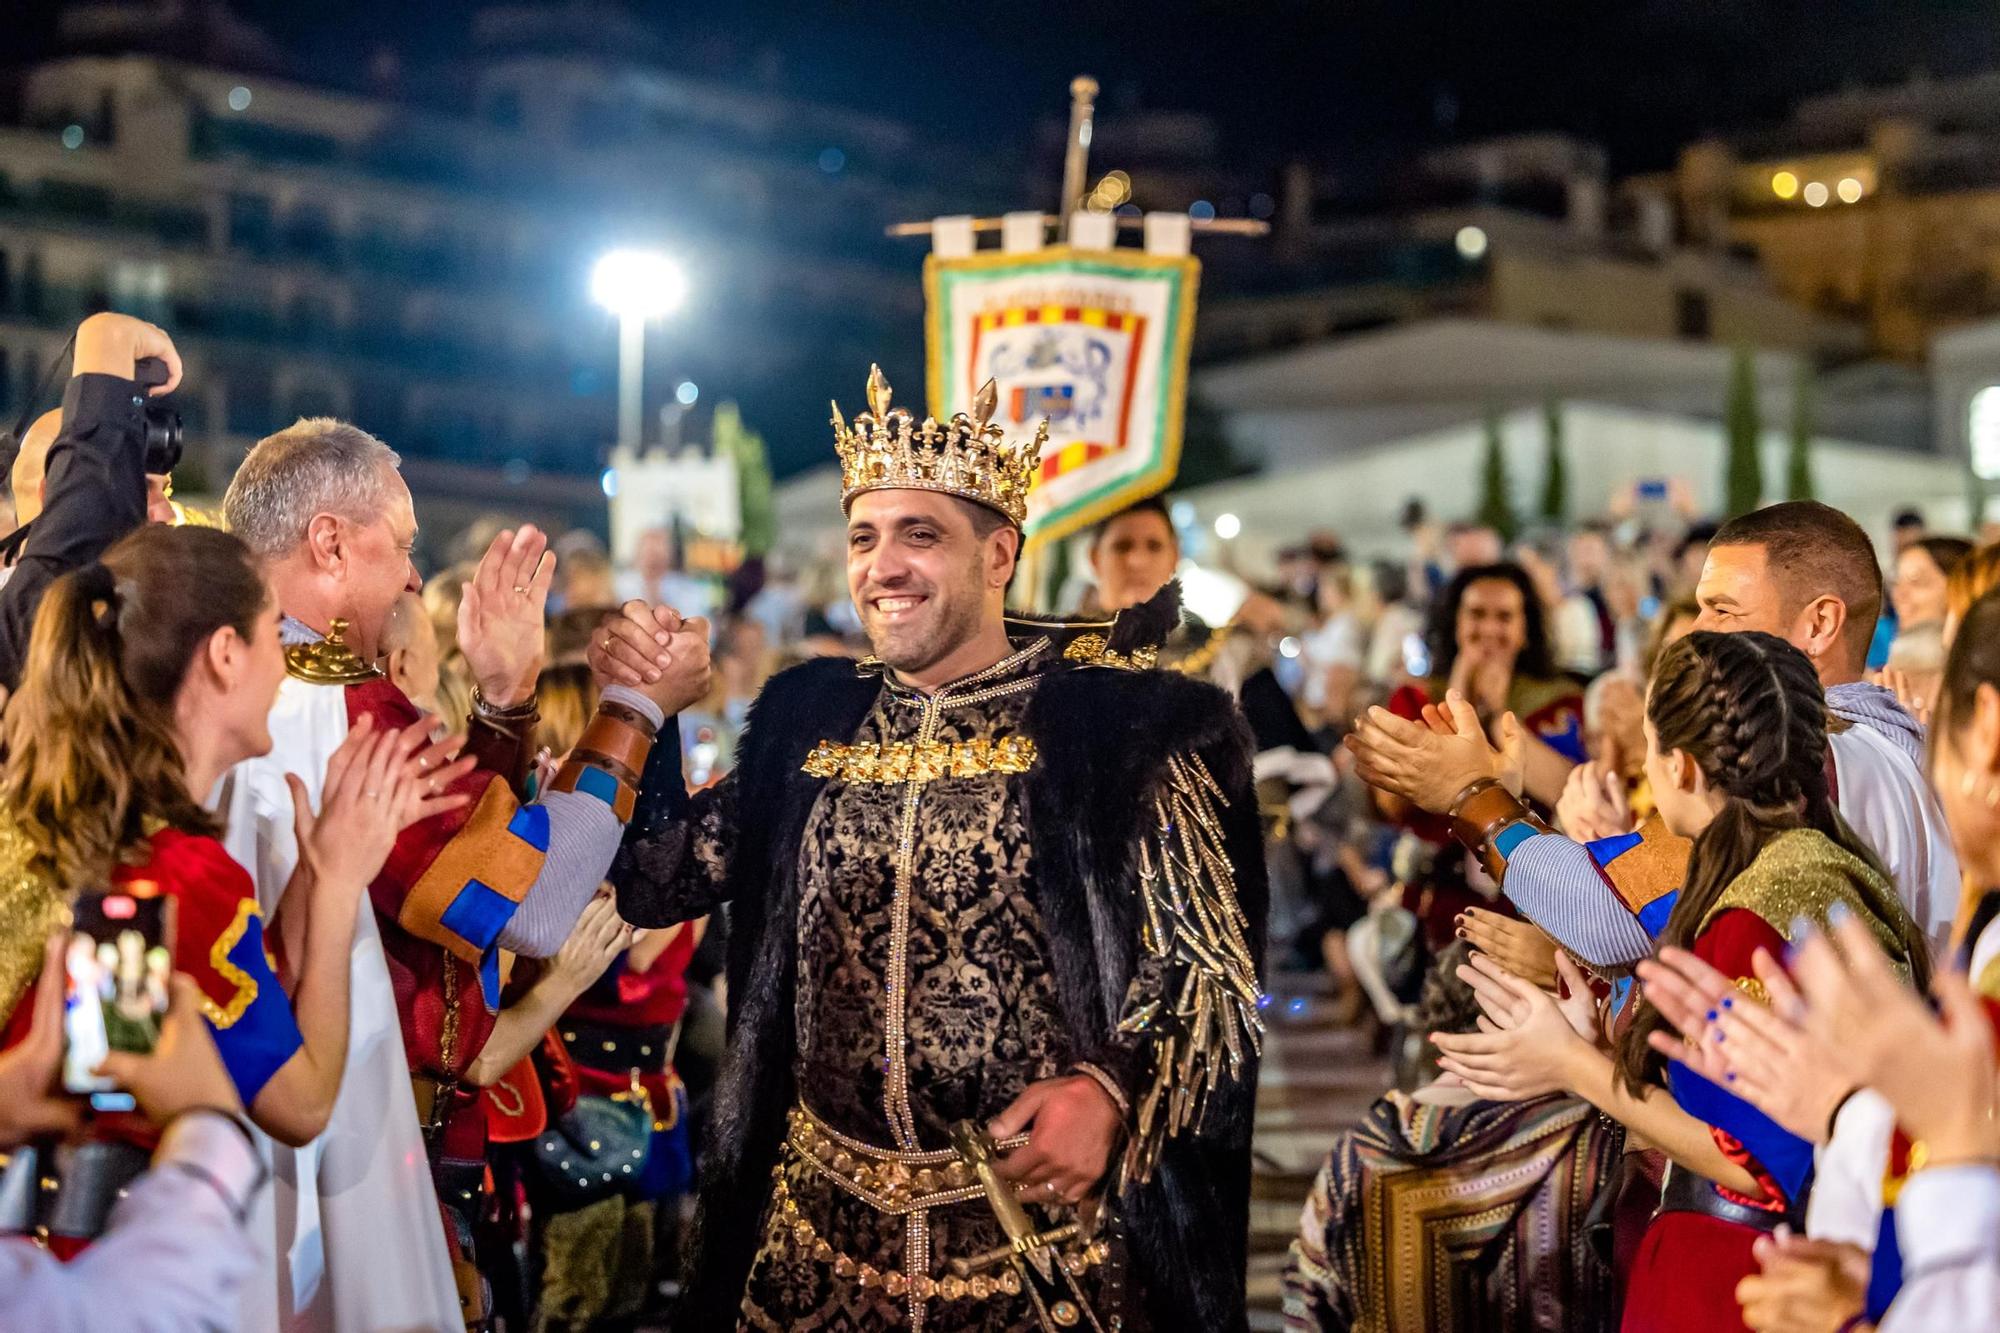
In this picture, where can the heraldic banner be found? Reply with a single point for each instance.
(1094, 340)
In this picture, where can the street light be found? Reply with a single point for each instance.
(635, 285)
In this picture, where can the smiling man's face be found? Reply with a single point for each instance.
(917, 568)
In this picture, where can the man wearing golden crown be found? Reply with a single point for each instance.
(996, 900)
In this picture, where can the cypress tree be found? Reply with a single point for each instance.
(1555, 474)
(1743, 474)
(1496, 499)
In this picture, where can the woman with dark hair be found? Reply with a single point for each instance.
(148, 677)
(1736, 756)
(1489, 641)
(1488, 644)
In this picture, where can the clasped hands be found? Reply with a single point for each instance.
(655, 651)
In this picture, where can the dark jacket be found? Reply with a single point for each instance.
(1104, 736)
(94, 492)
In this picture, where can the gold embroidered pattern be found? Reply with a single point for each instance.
(1096, 650)
(225, 1015)
(32, 908)
(1193, 927)
(899, 762)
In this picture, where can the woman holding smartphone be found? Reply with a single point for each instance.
(148, 676)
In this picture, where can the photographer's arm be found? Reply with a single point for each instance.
(95, 491)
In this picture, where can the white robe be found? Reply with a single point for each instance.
(353, 1214)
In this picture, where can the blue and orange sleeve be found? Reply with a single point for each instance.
(473, 884)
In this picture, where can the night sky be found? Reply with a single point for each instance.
(1296, 77)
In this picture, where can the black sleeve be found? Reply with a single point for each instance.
(673, 863)
(94, 493)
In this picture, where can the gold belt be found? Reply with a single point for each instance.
(900, 1184)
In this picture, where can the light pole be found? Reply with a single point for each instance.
(635, 285)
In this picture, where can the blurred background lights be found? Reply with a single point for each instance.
(72, 136)
(1201, 210)
(1785, 185)
(1816, 194)
(1849, 189)
(239, 98)
(1227, 526)
(1471, 242)
(831, 160)
(686, 392)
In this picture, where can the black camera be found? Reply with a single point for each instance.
(163, 423)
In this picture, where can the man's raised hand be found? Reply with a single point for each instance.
(500, 619)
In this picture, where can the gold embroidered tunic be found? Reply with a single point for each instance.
(924, 997)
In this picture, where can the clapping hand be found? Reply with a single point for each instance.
(500, 619)
(1521, 947)
(1528, 1040)
(1594, 803)
(1422, 765)
(376, 784)
(1938, 1072)
(599, 936)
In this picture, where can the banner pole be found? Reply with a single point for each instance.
(1076, 160)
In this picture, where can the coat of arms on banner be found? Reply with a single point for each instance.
(1096, 341)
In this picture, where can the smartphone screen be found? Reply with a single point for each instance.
(116, 968)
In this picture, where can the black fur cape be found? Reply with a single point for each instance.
(1103, 736)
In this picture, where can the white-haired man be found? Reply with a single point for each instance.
(323, 504)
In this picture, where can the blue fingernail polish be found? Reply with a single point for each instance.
(1718, 1039)
(1729, 1002)
(1730, 1077)
(1802, 926)
(1838, 914)
(1712, 1015)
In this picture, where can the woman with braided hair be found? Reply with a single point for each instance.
(1736, 754)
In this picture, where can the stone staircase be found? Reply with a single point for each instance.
(1317, 1079)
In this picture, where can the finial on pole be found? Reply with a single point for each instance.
(1076, 159)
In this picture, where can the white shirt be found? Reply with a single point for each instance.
(1890, 803)
(353, 1220)
(172, 1257)
(1948, 1229)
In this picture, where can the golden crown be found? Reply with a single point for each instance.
(888, 449)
